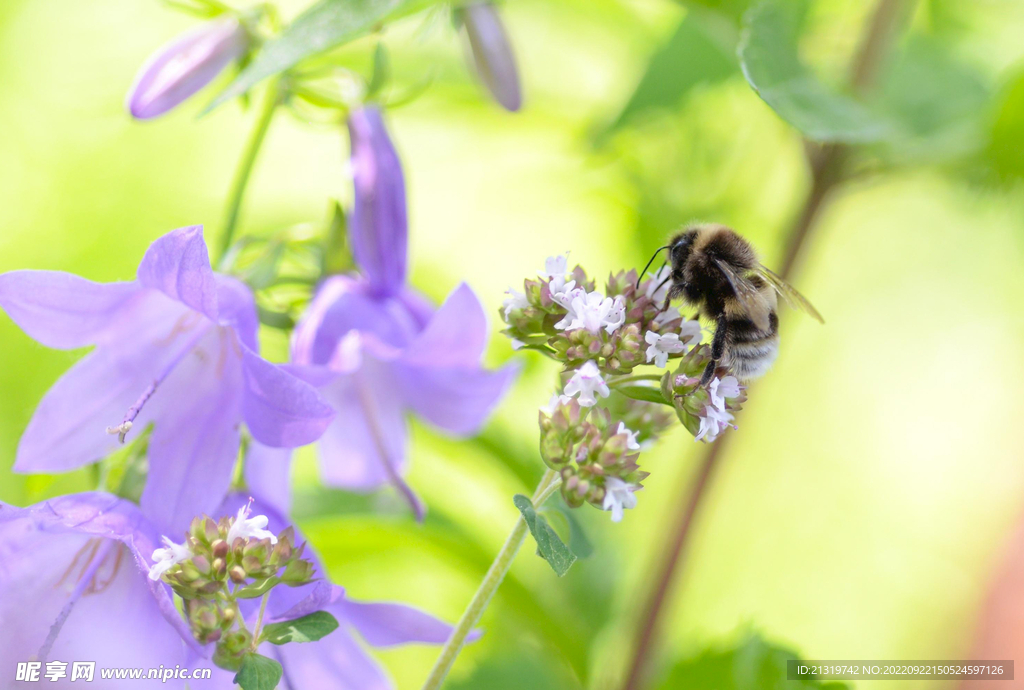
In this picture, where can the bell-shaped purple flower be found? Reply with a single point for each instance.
(376, 359)
(338, 660)
(184, 66)
(73, 574)
(492, 53)
(176, 348)
(378, 226)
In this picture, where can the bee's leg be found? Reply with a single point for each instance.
(717, 350)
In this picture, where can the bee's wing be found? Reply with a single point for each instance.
(754, 303)
(789, 293)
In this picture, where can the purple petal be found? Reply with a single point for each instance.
(178, 265)
(38, 550)
(342, 306)
(237, 309)
(337, 662)
(61, 310)
(268, 475)
(455, 337)
(419, 307)
(280, 409)
(68, 428)
(387, 624)
(457, 400)
(378, 227)
(369, 421)
(195, 437)
(184, 66)
(492, 53)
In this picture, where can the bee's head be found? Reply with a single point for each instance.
(680, 247)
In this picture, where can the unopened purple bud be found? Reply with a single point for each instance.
(378, 227)
(184, 66)
(492, 54)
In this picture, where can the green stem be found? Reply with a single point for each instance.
(272, 99)
(631, 378)
(495, 574)
(259, 622)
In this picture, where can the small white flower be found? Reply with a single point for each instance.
(618, 495)
(691, 333)
(659, 279)
(616, 314)
(631, 442)
(720, 389)
(713, 421)
(515, 301)
(670, 314)
(164, 558)
(592, 311)
(586, 381)
(555, 269)
(555, 266)
(245, 527)
(661, 346)
(554, 402)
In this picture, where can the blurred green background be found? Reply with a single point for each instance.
(866, 499)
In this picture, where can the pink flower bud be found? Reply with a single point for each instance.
(184, 66)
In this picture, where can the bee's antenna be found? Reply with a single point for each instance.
(667, 246)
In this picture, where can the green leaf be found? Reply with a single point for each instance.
(579, 543)
(638, 391)
(306, 629)
(752, 664)
(702, 50)
(549, 546)
(258, 673)
(772, 66)
(257, 589)
(381, 71)
(1006, 138)
(937, 101)
(326, 25)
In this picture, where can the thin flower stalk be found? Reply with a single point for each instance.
(495, 574)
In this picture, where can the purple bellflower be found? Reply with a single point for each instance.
(338, 660)
(184, 66)
(492, 53)
(79, 565)
(176, 348)
(73, 570)
(376, 349)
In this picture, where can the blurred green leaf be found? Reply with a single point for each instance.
(702, 50)
(258, 673)
(549, 546)
(733, 9)
(753, 664)
(263, 269)
(518, 668)
(1005, 150)
(381, 71)
(770, 61)
(309, 628)
(325, 25)
(938, 101)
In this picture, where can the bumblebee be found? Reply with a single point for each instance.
(717, 271)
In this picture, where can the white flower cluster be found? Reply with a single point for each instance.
(590, 310)
(714, 418)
